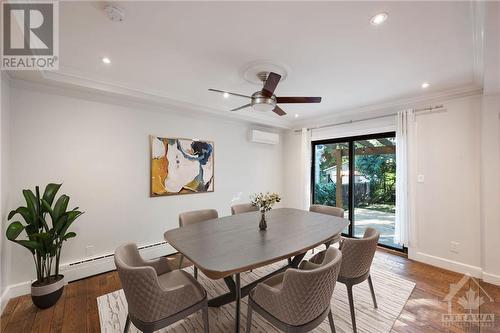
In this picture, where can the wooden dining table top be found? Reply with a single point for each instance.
(233, 244)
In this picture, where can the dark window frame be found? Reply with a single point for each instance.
(350, 141)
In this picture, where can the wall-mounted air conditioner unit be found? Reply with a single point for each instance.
(264, 137)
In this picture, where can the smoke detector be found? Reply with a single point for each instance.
(114, 13)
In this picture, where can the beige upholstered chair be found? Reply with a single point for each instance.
(193, 217)
(243, 208)
(157, 296)
(328, 210)
(357, 259)
(298, 300)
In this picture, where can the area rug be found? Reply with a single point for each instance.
(392, 293)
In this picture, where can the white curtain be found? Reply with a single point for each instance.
(405, 133)
(305, 168)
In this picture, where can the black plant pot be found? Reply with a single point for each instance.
(46, 294)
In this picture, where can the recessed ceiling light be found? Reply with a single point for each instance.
(379, 18)
(225, 95)
(296, 115)
(425, 85)
(106, 60)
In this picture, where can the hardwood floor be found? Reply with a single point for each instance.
(77, 310)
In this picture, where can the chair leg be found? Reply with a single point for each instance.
(351, 306)
(180, 261)
(196, 272)
(373, 292)
(206, 325)
(127, 324)
(332, 323)
(249, 317)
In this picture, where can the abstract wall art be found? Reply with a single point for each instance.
(181, 166)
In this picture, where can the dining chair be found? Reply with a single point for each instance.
(328, 210)
(298, 300)
(193, 217)
(243, 208)
(157, 296)
(357, 259)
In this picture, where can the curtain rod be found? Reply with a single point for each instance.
(429, 108)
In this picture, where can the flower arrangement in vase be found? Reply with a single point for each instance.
(265, 202)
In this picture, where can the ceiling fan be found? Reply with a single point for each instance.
(265, 100)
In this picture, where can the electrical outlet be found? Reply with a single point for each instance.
(89, 250)
(420, 178)
(454, 247)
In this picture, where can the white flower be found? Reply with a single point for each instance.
(265, 201)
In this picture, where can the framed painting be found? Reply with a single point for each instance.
(181, 166)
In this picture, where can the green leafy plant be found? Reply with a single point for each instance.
(44, 240)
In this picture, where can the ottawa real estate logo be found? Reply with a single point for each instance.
(470, 300)
(30, 35)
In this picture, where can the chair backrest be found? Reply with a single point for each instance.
(329, 210)
(196, 216)
(243, 208)
(307, 293)
(140, 283)
(358, 254)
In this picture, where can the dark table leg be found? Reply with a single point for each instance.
(238, 301)
(230, 282)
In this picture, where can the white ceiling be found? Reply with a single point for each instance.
(179, 50)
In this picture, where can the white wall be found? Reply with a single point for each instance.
(490, 186)
(101, 153)
(4, 133)
(490, 146)
(447, 205)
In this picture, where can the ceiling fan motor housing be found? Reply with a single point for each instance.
(263, 103)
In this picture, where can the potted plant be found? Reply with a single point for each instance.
(44, 240)
(265, 203)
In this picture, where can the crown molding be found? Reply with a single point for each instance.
(390, 107)
(115, 90)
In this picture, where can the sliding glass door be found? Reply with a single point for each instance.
(359, 175)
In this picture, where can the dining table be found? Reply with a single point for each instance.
(223, 248)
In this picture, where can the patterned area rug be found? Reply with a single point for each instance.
(392, 293)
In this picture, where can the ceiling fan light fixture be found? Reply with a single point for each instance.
(263, 107)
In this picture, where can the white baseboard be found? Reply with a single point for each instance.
(73, 272)
(14, 290)
(448, 264)
(491, 278)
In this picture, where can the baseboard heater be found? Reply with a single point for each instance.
(88, 267)
(112, 254)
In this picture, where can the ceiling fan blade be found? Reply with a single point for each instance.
(242, 107)
(270, 84)
(230, 93)
(286, 100)
(279, 111)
